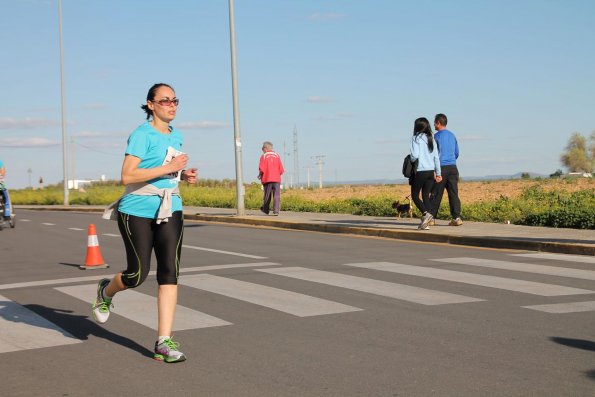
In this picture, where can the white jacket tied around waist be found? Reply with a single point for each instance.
(146, 189)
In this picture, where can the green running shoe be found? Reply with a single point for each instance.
(101, 307)
(168, 351)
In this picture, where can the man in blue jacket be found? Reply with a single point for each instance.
(449, 153)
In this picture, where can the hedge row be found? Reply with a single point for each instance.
(535, 207)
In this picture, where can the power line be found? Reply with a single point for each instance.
(95, 150)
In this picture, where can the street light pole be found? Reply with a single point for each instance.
(236, 115)
(64, 139)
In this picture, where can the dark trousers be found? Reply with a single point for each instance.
(450, 181)
(422, 182)
(271, 190)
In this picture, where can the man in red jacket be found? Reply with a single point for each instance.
(270, 170)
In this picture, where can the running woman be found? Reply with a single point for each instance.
(149, 215)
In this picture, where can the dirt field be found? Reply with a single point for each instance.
(469, 192)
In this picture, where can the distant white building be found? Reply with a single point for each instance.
(79, 183)
(579, 175)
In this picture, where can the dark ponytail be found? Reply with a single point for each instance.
(422, 126)
(151, 96)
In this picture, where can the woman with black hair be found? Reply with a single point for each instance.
(149, 215)
(428, 169)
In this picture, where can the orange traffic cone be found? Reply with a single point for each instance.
(94, 259)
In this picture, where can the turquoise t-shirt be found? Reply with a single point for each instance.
(151, 146)
(1, 164)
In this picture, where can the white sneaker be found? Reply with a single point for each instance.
(425, 220)
(456, 222)
(101, 307)
(168, 351)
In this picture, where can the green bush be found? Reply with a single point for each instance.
(576, 219)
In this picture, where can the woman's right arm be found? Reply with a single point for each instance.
(132, 174)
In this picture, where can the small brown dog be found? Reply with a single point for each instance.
(403, 209)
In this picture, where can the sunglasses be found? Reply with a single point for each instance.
(167, 102)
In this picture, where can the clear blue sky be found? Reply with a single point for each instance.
(515, 78)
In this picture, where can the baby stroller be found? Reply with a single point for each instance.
(6, 213)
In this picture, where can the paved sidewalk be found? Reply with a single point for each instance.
(493, 235)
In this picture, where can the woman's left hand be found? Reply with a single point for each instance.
(190, 175)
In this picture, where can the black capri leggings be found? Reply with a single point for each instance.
(142, 236)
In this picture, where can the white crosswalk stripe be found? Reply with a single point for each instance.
(71, 280)
(22, 329)
(376, 287)
(559, 308)
(510, 284)
(223, 252)
(141, 308)
(559, 257)
(523, 267)
(285, 301)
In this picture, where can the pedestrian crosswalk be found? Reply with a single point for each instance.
(23, 329)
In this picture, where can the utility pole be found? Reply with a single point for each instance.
(296, 158)
(63, 103)
(308, 171)
(240, 191)
(29, 171)
(319, 162)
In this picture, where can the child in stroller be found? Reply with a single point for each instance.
(6, 214)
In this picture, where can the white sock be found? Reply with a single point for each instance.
(105, 295)
(160, 339)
